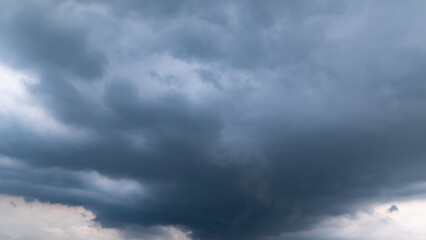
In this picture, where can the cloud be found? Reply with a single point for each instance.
(220, 120)
(393, 208)
(34, 220)
(23, 220)
(38, 37)
(375, 222)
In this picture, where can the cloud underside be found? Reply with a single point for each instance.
(225, 119)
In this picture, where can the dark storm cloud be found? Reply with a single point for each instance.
(317, 107)
(210, 77)
(32, 36)
(252, 35)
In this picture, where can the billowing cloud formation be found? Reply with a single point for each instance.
(225, 119)
(21, 220)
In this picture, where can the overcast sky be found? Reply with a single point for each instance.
(213, 120)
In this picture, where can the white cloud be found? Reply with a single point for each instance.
(20, 220)
(407, 223)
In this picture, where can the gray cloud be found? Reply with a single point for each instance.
(393, 208)
(285, 112)
(35, 37)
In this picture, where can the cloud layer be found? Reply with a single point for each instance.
(225, 119)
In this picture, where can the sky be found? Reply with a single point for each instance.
(212, 120)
